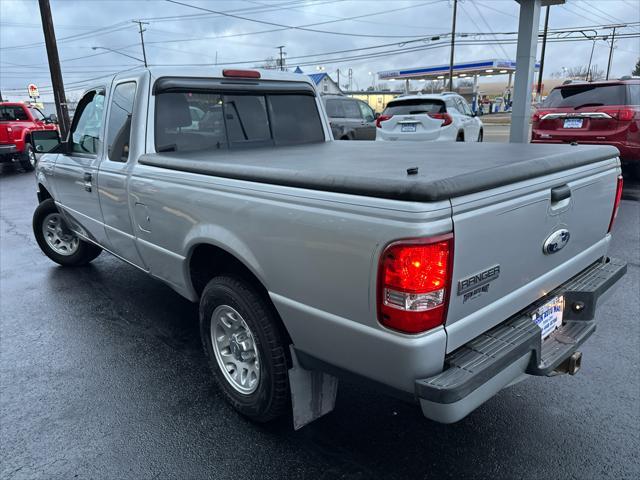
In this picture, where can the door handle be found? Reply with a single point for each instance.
(560, 193)
(87, 181)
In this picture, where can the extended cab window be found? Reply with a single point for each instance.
(119, 125)
(87, 124)
(193, 121)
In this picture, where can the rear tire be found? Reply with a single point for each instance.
(480, 136)
(240, 321)
(460, 137)
(56, 241)
(28, 158)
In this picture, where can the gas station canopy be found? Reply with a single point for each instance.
(467, 69)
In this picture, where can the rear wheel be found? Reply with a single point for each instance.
(480, 136)
(28, 158)
(246, 347)
(460, 137)
(56, 240)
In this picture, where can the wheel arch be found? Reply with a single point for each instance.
(43, 193)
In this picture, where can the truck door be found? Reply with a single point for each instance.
(113, 174)
(76, 170)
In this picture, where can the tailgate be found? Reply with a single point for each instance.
(422, 127)
(500, 266)
(4, 134)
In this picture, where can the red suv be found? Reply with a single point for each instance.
(17, 121)
(593, 113)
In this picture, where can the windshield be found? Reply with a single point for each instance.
(586, 95)
(414, 107)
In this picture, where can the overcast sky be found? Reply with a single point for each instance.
(250, 30)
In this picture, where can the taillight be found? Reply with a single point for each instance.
(626, 114)
(414, 280)
(382, 118)
(442, 116)
(616, 203)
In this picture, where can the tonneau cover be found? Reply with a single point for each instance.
(379, 169)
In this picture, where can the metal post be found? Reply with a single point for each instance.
(544, 46)
(144, 53)
(475, 94)
(54, 67)
(525, 64)
(453, 44)
(281, 57)
(593, 45)
(613, 37)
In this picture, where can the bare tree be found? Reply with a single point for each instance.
(269, 63)
(583, 72)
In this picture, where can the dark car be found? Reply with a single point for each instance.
(593, 113)
(350, 119)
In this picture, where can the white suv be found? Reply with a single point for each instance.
(441, 117)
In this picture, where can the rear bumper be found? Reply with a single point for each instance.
(7, 149)
(497, 358)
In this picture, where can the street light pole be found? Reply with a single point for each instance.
(453, 43)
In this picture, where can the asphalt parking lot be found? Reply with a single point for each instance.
(102, 376)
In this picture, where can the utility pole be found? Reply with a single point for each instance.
(144, 53)
(453, 44)
(613, 37)
(544, 46)
(54, 68)
(351, 80)
(339, 79)
(281, 57)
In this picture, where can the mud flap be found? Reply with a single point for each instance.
(313, 393)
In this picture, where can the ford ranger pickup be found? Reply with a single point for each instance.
(439, 274)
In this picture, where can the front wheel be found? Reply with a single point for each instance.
(28, 158)
(246, 347)
(56, 240)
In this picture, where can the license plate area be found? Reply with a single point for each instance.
(548, 316)
(573, 123)
(410, 127)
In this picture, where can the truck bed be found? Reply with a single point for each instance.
(377, 169)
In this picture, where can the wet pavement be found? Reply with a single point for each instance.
(102, 375)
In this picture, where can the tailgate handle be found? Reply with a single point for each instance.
(560, 193)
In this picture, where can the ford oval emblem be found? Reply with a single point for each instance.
(556, 241)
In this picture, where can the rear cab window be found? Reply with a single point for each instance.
(586, 95)
(414, 107)
(195, 120)
(13, 113)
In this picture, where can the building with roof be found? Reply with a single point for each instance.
(324, 83)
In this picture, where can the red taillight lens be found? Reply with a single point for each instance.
(442, 116)
(241, 73)
(616, 203)
(626, 114)
(382, 118)
(414, 283)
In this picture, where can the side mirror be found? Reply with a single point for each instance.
(46, 141)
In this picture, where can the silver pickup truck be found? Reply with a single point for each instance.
(440, 273)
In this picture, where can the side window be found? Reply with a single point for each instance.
(87, 124)
(37, 114)
(351, 109)
(634, 94)
(366, 111)
(119, 125)
(463, 106)
(334, 108)
(451, 106)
